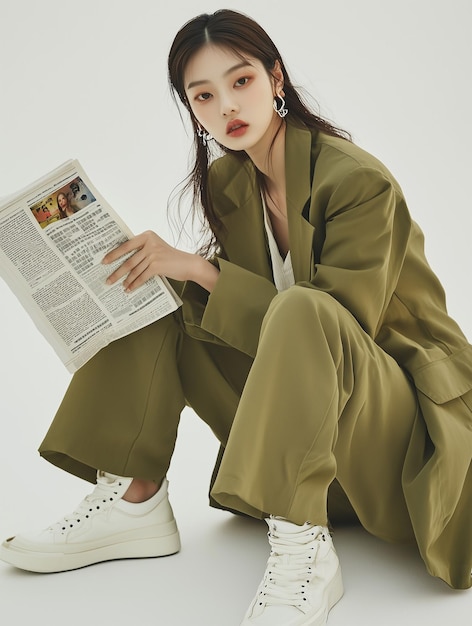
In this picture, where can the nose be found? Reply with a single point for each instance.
(228, 105)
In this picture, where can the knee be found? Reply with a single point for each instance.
(298, 305)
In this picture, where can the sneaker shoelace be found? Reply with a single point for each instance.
(290, 567)
(101, 498)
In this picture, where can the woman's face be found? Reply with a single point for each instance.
(62, 201)
(231, 98)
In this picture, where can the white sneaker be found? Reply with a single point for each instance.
(302, 581)
(102, 528)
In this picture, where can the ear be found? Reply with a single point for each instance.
(278, 76)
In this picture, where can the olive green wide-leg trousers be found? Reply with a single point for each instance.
(319, 401)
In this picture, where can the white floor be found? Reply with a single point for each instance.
(211, 581)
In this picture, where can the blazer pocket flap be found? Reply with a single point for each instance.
(446, 379)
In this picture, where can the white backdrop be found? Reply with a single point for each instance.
(88, 80)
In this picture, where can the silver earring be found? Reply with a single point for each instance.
(204, 135)
(279, 106)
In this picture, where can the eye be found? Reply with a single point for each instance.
(202, 97)
(242, 81)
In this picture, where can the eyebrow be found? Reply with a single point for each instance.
(195, 83)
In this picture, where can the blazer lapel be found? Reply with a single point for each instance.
(298, 180)
(246, 241)
(243, 215)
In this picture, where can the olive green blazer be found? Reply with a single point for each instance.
(351, 235)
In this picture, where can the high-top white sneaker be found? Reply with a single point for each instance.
(302, 580)
(102, 528)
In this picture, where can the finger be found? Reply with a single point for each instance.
(126, 267)
(121, 250)
(138, 277)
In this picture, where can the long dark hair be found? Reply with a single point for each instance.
(242, 35)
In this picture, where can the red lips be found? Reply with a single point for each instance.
(235, 127)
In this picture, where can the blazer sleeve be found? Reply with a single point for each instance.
(232, 314)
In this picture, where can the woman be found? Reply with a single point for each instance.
(64, 206)
(313, 339)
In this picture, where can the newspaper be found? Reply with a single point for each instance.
(53, 236)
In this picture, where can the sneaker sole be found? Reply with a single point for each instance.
(47, 563)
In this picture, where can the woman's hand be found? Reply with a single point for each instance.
(152, 256)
